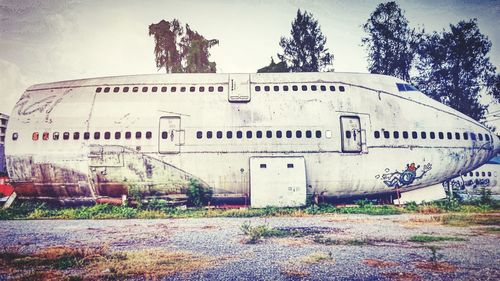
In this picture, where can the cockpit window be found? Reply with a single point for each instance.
(405, 87)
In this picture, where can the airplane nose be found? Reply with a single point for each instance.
(496, 144)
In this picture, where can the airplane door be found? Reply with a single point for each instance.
(239, 88)
(350, 127)
(169, 135)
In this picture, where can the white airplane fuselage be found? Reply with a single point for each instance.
(149, 134)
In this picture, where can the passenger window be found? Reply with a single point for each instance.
(249, 134)
(285, 88)
(239, 134)
(106, 90)
(489, 174)
(298, 134)
(266, 88)
(376, 134)
(405, 134)
(269, 134)
(173, 89)
(107, 135)
(423, 135)
(86, 135)
(154, 89)
(314, 88)
(386, 134)
(164, 135)
(341, 88)
(483, 174)
(192, 89)
(480, 136)
(45, 135)
(149, 135)
(219, 134)
(318, 134)
(211, 89)
(473, 136)
(259, 134)
(295, 88)
(308, 134)
(229, 134)
(348, 134)
(304, 87)
(144, 89)
(55, 136)
(220, 89)
(466, 136)
(432, 135)
(414, 135)
(477, 174)
(276, 88)
(396, 134)
(76, 135)
(209, 134)
(257, 88)
(323, 88)
(66, 136)
(279, 134)
(487, 137)
(449, 135)
(457, 136)
(202, 89)
(332, 88)
(118, 135)
(441, 135)
(138, 135)
(135, 89)
(97, 135)
(163, 89)
(98, 90)
(116, 89)
(199, 135)
(471, 174)
(128, 135)
(125, 89)
(288, 134)
(183, 89)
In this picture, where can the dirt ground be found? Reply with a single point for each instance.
(326, 247)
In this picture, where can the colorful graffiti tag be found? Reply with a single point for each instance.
(398, 179)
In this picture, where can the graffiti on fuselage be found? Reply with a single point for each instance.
(398, 179)
(459, 184)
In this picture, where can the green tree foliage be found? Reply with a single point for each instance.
(494, 86)
(179, 49)
(274, 67)
(390, 43)
(305, 50)
(454, 66)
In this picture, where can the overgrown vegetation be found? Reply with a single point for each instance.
(56, 263)
(432, 238)
(198, 195)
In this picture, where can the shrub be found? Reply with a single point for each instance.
(198, 196)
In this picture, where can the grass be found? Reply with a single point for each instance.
(158, 209)
(432, 238)
(56, 263)
(320, 239)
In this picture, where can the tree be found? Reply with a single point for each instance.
(494, 86)
(274, 67)
(390, 43)
(305, 51)
(454, 67)
(181, 50)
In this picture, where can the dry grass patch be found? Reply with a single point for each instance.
(439, 266)
(296, 268)
(379, 263)
(295, 272)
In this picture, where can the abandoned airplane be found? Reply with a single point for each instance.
(272, 139)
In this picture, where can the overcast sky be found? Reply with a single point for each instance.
(43, 41)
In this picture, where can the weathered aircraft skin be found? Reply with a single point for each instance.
(471, 184)
(356, 141)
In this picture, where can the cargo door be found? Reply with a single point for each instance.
(350, 127)
(169, 136)
(239, 88)
(277, 182)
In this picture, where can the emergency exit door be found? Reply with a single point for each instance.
(350, 127)
(239, 88)
(169, 137)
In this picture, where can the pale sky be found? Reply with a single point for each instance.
(48, 40)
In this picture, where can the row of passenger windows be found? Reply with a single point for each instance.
(483, 174)
(87, 135)
(258, 134)
(432, 135)
(164, 89)
(286, 88)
